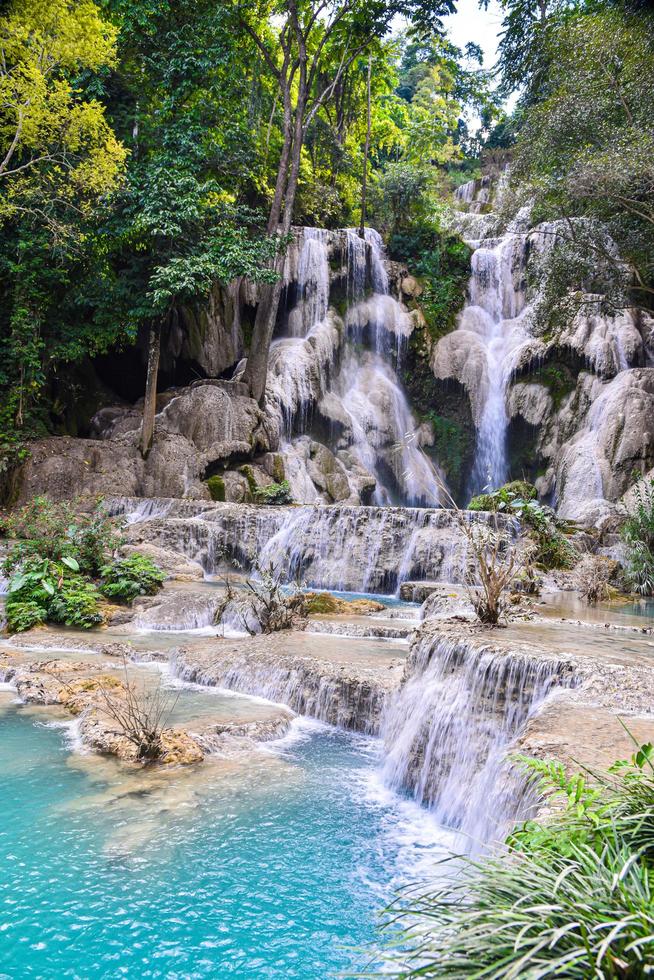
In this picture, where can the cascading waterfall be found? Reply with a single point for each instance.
(448, 730)
(493, 312)
(356, 549)
(357, 371)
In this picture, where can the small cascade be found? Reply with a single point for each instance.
(449, 728)
(328, 694)
(312, 283)
(354, 549)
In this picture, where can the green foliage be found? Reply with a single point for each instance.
(275, 493)
(56, 530)
(553, 550)
(451, 444)
(558, 380)
(511, 497)
(585, 155)
(638, 533)
(75, 603)
(44, 590)
(216, 488)
(125, 578)
(572, 897)
(23, 614)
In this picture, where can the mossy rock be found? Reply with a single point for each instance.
(326, 604)
(253, 486)
(516, 490)
(520, 489)
(216, 488)
(483, 501)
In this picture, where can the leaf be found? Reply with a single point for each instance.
(70, 563)
(48, 586)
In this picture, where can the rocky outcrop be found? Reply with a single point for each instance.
(357, 549)
(343, 691)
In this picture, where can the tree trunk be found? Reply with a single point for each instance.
(150, 403)
(256, 369)
(364, 185)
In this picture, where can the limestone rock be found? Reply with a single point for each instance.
(177, 566)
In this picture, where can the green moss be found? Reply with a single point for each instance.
(216, 488)
(483, 501)
(516, 492)
(321, 603)
(279, 473)
(558, 379)
(253, 486)
(451, 445)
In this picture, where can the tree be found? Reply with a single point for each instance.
(523, 56)
(58, 153)
(311, 33)
(585, 155)
(175, 229)
(59, 160)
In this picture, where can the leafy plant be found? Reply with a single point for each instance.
(552, 549)
(571, 898)
(23, 614)
(75, 603)
(125, 578)
(638, 533)
(47, 591)
(55, 530)
(275, 493)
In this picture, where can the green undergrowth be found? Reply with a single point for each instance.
(441, 262)
(519, 498)
(573, 896)
(638, 534)
(64, 565)
(275, 493)
(123, 579)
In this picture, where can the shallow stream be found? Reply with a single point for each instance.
(271, 866)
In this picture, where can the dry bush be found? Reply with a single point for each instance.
(592, 578)
(266, 600)
(142, 716)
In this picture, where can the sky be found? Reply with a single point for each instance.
(469, 23)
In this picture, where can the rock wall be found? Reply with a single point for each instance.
(574, 408)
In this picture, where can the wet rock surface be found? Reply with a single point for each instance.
(330, 683)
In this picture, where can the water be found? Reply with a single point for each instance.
(449, 728)
(181, 876)
(347, 372)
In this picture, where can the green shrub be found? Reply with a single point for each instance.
(442, 263)
(75, 603)
(638, 533)
(216, 488)
(126, 578)
(518, 498)
(572, 897)
(275, 493)
(55, 530)
(23, 614)
(49, 591)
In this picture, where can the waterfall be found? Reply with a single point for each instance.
(354, 549)
(353, 367)
(382, 434)
(448, 729)
(494, 313)
(312, 282)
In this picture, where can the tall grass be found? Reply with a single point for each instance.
(571, 897)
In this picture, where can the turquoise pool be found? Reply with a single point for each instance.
(275, 865)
